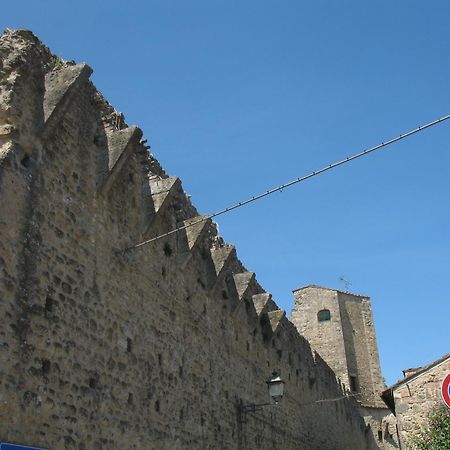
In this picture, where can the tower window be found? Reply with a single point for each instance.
(352, 383)
(324, 315)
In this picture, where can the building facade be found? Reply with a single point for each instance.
(413, 397)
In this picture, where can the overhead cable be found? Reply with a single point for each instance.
(291, 183)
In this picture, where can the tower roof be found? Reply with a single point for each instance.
(315, 286)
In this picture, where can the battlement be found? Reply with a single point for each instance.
(151, 348)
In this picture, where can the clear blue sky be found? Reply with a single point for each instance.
(238, 97)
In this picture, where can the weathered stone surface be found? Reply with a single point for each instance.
(221, 256)
(195, 231)
(413, 397)
(101, 349)
(243, 282)
(60, 86)
(345, 338)
(162, 189)
(121, 144)
(275, 318)
(263, 303)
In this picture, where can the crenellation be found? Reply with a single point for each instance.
(245, 283)
(61, 84)
(161, 190)
(275, 318)
(119, 149)
(263, 303)
(221, 257)
(196, 232)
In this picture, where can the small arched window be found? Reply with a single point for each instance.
(323, 315)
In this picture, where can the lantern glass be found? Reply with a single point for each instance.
(276, 387)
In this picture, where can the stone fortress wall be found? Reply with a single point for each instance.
(149, 349)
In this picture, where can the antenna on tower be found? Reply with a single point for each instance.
(346, 283)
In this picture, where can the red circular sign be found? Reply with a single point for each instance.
(445, 390)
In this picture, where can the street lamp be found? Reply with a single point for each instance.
(276, 389)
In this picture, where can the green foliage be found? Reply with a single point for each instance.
(436, 435)
(56, 62)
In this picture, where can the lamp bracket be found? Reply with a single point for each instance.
(253, 407)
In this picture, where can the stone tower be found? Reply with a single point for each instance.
(339, 326)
